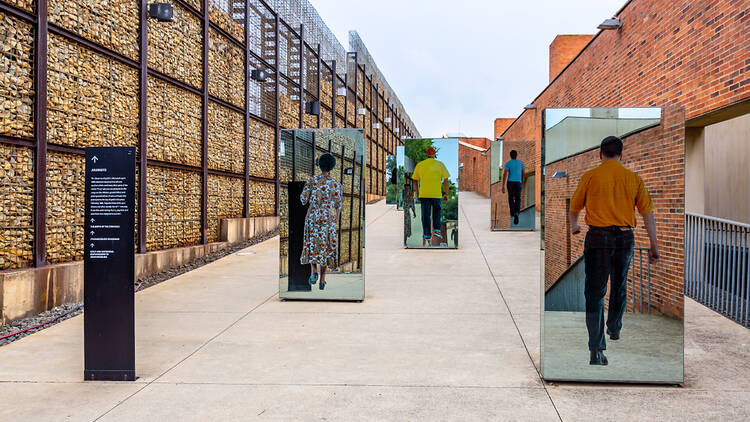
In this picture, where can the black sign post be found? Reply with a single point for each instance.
(109, 265)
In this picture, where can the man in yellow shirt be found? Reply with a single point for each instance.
(609, 193)
(429, 173)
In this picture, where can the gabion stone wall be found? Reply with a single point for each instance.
(174, 123)
(17, 202)
(225, 197)
(176, 50)
(226, 69)
(108, 23)
(65, 207)
(16, 77)
(173, 208)
(226, 143)
(92, 100)
(27, 5)
(262, 154)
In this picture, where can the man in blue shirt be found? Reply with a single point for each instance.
(514, 173)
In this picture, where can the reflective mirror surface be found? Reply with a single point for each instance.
(601, 292)
(322, 214)
(430, 193)
(391, 182)
(512, 185)
(401, 179)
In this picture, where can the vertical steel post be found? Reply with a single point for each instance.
(341, 178)
(40, 133)
(142, 125)
(351, 203)
(319, 81)
(277, 139)
(246, 192)
(301, 75)
(334, 88)
(346, 100)
(204, 127)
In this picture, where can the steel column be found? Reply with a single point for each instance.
(334, 88)
(301, 75)
(143, 125)
(277, 140)
(319, 78)
(40, 134)
(246, 193)
(204, 127)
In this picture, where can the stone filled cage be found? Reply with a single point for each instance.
(181, 92)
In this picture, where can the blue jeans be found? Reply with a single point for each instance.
(430, 216)
(607, 253)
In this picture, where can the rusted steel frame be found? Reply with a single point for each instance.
(246, 47)
(301, 75)
(277, 138)
(319, 81)
(41, 36)
(18, 141)
(142, 124)
(204, 126)
(334, 88)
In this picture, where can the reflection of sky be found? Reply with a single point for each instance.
(554, 116)
(400, 155)
(448, 154)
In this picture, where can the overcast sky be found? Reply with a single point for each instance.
(456, 66)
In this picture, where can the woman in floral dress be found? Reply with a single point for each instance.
(320, 246)
(408, 205)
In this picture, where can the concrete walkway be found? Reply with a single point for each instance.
(442, 335)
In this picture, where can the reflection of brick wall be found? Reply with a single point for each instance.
(500, 210)
(657, 155)
(562, 51)
(475, 174)
(686, 56)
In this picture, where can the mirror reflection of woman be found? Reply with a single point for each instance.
(320, 245)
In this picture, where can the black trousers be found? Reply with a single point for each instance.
(607, 253)
(514, 197)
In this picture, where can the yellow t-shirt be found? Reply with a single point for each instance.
(430, 173)
(610, 194)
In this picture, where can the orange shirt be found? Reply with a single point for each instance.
(610, 194)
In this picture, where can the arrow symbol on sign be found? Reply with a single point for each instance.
(92, 245)
(92, 232)
(92, 220)
(95, 159)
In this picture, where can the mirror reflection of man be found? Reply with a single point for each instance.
(609, 193)
(428, 175)
(514, 174)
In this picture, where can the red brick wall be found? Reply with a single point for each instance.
(562, 51)
(500, 213)
(475, 174)
(501, 124)
(658, 156)
(694, 54)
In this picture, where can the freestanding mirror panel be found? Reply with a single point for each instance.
(322, 214)
(431, 193)
(400, 180)
(512, 185)
(610, 313)
(391, 182)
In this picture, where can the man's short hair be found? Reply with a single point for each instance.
(326, 162)
(513, 154)
(611, 147)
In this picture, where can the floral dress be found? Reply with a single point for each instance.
(408, 206)
(320, 245)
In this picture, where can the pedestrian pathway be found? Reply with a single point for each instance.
(441, 335)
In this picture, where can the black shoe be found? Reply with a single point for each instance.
(515, 219)
(613, 336)
(322, 285)
(598, 358)
(313, 278)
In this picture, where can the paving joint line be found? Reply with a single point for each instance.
(505, 302)
(186, 357)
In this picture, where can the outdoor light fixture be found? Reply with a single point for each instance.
(312, 107)
(376, 125)
(500, 138)
(361, 111)
(258, 75)
(348, 171)
(162, 12)
(387, 119)
(529, 107)
(397, 130)
(403, 138)
(341, 92)
(560, 175)
(613, 23)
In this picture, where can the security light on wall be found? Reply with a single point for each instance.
(312, 107)
(341, 92)
(500, 138)
(162, 12)
(258, 75)
(387, 119)
(530, 107)
(361, 111)
(349, 171)
(613, 23)
(376, 125)
(560, 175)
(397, 130)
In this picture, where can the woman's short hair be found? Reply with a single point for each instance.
(326, 162)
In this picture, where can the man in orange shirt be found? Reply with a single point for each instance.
(609, 193)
